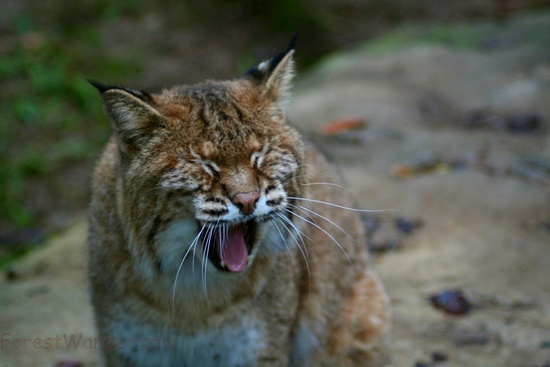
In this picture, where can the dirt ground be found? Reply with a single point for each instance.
(453, 143)
(485, 218)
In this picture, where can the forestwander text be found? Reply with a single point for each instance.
(10, 341)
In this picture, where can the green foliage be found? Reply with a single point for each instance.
(50, 115)
(467, 36)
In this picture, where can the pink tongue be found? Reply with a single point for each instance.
(234, 253)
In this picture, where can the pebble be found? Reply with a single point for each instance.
(452, 302)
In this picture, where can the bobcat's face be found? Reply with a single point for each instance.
(205, 168)
(236, 171)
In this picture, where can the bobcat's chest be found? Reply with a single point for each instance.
(144, 345)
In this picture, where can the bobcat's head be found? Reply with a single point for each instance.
(205, 169)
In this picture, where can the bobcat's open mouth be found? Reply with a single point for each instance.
(229, 247)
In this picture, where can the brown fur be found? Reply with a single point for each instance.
(177, 162)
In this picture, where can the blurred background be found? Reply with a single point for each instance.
(52, 127)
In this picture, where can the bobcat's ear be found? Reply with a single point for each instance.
(274, 76)
(132, 114)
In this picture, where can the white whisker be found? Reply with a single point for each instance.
(339, 206)
(225, 234)
(192, 246)
(303, 250)
(206, 250)
(298, 232)
(328, 184)
(323, 230)
(282, 236)
(304, 209)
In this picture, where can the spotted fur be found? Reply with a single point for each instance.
(187, 171)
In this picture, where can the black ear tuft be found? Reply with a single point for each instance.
(144, 96)
(273, 77)
(100, 87)
(266, 68)
(277, 59)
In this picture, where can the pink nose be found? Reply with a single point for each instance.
(245, 201)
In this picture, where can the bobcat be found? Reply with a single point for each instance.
(218, 237)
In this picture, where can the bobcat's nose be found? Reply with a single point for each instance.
(246, 201)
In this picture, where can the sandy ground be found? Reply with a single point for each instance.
(481, 194)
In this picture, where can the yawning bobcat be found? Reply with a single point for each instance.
(218, 237)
